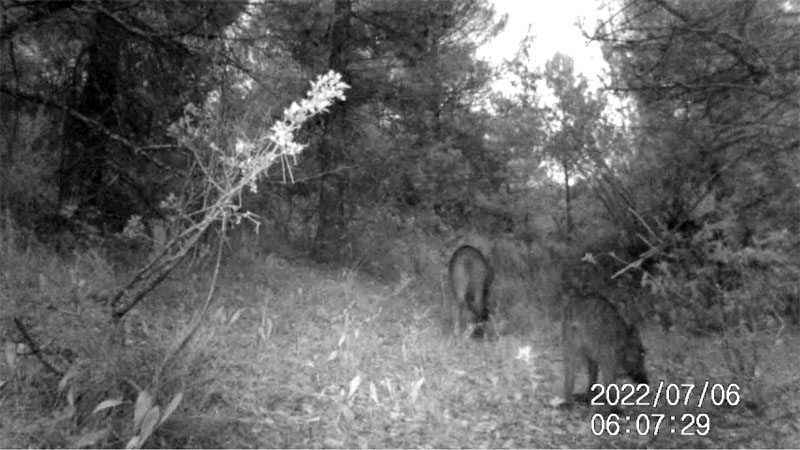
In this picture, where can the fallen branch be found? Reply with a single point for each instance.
(35, 350)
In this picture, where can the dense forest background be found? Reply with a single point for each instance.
(190, 257)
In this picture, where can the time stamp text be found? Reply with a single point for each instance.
(687, 394)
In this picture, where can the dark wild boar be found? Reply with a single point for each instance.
(470, 277)
(595, 332)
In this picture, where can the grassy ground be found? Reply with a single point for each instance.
(295, 355)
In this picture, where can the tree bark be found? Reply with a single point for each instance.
(332, 152)
(82, 173)
(568, 200)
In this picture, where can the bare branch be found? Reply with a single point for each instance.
(136, 149)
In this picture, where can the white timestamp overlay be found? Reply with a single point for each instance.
(672, 394)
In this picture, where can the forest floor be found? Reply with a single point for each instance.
(294, 355)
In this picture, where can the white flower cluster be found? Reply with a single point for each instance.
(253, 158)
(322, 94)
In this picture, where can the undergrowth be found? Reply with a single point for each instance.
(296, 355)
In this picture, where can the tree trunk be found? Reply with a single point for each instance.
(568, 200)
(332, 152)
(82, 172)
